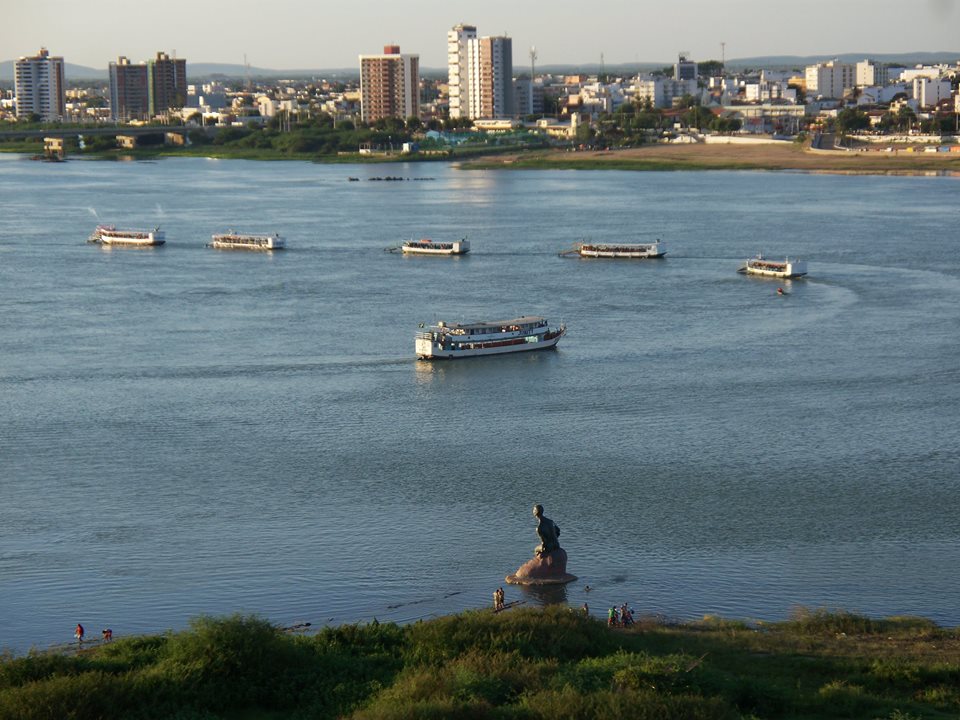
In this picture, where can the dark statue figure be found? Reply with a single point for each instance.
(548, 532)
(549, 563)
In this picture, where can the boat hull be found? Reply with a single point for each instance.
(428, 350)
(782, 274)
(151, 241)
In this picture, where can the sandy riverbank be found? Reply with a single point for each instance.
(785, 156)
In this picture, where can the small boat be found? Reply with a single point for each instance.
(112, 235)
(774, 268)
(425, 246)
(457, 340)
(622, 250)
(242, 241)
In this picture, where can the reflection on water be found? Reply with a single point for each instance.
(545, 594)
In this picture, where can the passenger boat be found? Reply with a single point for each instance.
(458, 340)
(774, 268)
(622, 250)
(111, 235)
(425, 246)
(241, 241)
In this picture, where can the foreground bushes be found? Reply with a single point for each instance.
(550, 664)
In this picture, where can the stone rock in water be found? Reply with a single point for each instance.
(547, 569)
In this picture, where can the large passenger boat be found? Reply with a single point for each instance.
(425, 246)
(242, 241)
(112, 235)
(458, 340)
(622, 250)
(774, 268)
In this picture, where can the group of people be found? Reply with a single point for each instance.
(620, 616)
(498, 600)
(78, 632)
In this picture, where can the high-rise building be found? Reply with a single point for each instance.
(480, 75)
(458, 75)
(129, 91)
(40, 87)
(870, 73)
(830, 79)
(490, 78)
(167, 80)
(389, 85)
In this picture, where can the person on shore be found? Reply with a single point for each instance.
(500, 597)
(611, 617)
(78, 633)
(586, 610)
(496, 600)
(107, 634)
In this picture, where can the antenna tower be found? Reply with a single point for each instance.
(723, 55)
(533, 62)
(246, 69)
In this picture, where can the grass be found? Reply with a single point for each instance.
(529, 663)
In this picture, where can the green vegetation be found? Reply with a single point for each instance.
(551, 664)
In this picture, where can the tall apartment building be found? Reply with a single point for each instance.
(389, 85)
(167, 82)
(129, 91)
(458, 75)
(490, 69)
(40, 86)
(480, 75)
(870, 74)
(830, 79)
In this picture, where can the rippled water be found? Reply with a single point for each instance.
(187, 431)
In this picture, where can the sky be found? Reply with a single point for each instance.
(313, 34)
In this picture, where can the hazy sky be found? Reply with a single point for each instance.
(289, 34)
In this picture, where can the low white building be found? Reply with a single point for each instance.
(661, 92)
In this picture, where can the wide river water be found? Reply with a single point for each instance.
(187, 431)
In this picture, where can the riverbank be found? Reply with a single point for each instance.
(768, 156)
(783, 156)
(552, 663)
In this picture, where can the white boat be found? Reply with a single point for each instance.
(774, 268)
(425, 246)
(458, 340)
(622, 250)
(242, 241)
(112, 235)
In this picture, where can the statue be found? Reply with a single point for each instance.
(548, 532)
(549, 563)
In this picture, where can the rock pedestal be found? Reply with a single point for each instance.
(547, 569)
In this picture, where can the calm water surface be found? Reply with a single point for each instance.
(187, 431)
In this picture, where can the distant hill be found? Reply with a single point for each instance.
(200, 71)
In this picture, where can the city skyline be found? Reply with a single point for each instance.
(623, 32)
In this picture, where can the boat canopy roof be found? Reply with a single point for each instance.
(495, 324)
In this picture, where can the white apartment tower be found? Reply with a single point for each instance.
(457, 40)
(480, 75)
(830, 79)
(389, 85)
(870, 74)
(40, 86)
